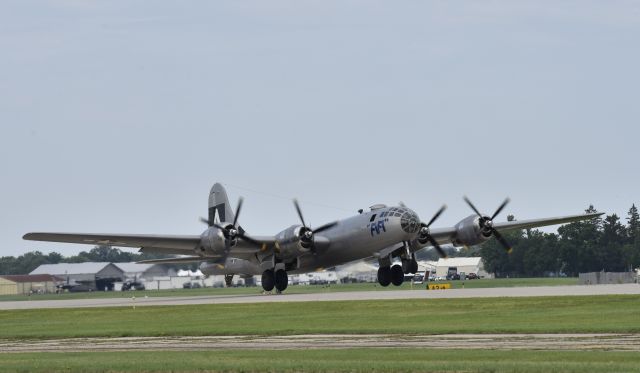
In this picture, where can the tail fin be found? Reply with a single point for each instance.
(219, 206)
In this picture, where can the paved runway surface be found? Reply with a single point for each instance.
(584, 342)
(337, 296)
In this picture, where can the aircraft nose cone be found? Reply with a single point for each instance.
(410, 222)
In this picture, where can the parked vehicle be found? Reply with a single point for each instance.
(472, 276)
(191, 285)
(133, 285)
(418, 278)
(79, 288)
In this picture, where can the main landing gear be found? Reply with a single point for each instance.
(277, 279)
(395, 274)
(228, 280)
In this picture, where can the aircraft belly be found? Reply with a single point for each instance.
(231, 266)
(353, 242)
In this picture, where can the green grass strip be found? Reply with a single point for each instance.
(343, 360)
(575, 314)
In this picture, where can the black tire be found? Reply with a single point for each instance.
(397, 275)
(268, 280)
(282, 280)
(414, 266)
(384, 276)
(406, 266)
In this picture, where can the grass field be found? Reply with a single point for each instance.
(484, 283)
(576, 314)
(343, 360)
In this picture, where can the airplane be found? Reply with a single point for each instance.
(388, 234)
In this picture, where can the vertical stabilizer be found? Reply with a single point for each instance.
(219, 208)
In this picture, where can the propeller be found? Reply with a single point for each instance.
(486, 223)
(425, 234)
(232, 231)
(306, 234)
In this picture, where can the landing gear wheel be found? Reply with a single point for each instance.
(414, 266)
(282, 280)
(384, 276)
(406, 266)
(397, 275)
(268, 280)
(228, 280)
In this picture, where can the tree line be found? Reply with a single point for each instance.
(601, 244)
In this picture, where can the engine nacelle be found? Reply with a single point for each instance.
(290, 244)
(469, 232)
(213, 242)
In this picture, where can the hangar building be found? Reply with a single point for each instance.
(95, 275)
(461, 264)
(137, 271)
(27, 284)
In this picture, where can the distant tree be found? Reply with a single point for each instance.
(611, 242)
(541, 253)
(104, 254)
(54, 258)
(633, 225)
(497, 260)
(631, 249)
(579, 247)
(27, 263)
(8, 265)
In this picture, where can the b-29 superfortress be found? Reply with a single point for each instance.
(387, 234)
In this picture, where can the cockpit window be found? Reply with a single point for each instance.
(410, 222)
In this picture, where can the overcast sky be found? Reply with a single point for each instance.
(118, 116)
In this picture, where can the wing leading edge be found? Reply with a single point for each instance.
(447, 235)
(163, 244)
(157, 244)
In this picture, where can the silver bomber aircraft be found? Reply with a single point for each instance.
(388, 234)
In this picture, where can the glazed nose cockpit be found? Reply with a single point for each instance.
(409, 220)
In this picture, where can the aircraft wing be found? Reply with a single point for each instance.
(447, 235)
(534, 223)
(157, 244)
(160, 244)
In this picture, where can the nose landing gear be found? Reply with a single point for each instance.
(268, 280)
(282, 280)
(409, 265)
(384, 276)
(390, 275)
(394, 274)
(228, 280)
(275, 279)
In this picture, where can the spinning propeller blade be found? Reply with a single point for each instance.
(486, 223)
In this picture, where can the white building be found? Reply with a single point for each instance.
(427, 266)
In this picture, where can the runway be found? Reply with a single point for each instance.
(574, 342)
(330, 296)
